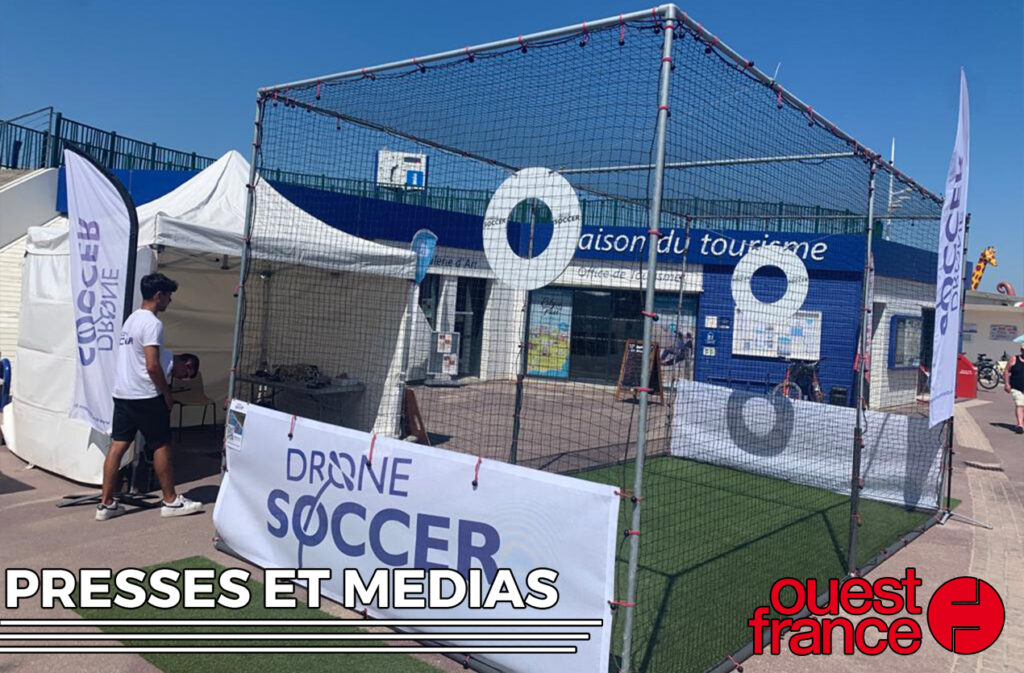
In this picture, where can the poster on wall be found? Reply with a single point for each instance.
(799, 339)
(444, 357)
(550, 331)
(1002, 332)
(444, 342)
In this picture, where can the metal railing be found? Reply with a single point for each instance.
(22, 147)
(28, 148)
(726, 214)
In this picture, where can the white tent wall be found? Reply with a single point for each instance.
(196, 225)
(201, 320)
(365, 316)
(12, 257)
(36, 423)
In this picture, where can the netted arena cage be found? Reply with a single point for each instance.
(655, 267)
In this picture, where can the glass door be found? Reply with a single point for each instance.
(470, 301)
(591, 335)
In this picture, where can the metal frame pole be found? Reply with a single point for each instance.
(243, 268)
(645, 371)
(524, 352)
(887, 234)
(707, 163)
(858, 431)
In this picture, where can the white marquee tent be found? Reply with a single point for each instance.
(194, 234)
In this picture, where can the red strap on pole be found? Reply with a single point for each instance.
(291, 429)
(373, 440)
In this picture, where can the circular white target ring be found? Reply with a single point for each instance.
(559, 196)
(797, 283)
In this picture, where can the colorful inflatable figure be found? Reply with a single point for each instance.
(988, 256)
(1005, 288)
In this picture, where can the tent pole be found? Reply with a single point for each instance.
(406, 345)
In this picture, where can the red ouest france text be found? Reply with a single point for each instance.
(868, 603)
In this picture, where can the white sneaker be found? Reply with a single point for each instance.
(104, 512)
(181, 506)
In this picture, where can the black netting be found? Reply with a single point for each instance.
(756, 324)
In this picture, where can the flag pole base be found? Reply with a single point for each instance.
(947, 515)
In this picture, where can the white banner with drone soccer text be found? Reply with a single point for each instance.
(516, 543)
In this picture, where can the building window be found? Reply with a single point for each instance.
(580, 333)
(905, 342)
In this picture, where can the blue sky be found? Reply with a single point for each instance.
(185, 74)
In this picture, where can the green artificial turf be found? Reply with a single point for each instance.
(251, 663)
(714, 540)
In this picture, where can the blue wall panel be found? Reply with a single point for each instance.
(836, 295)
(144, 186)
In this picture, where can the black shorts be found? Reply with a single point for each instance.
(150, 416)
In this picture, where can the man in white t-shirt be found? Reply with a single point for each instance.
(142, 398)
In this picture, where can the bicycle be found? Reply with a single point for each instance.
(801, 382)
(988, 374)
